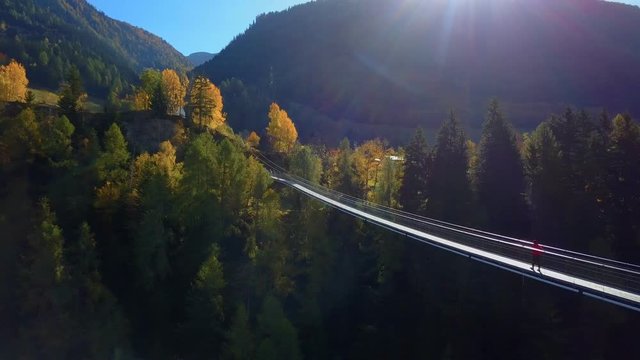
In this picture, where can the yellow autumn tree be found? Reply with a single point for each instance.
(141, 101)
(367, 160)
(281, 132)
(253, 140)
(205, 104)
(174, 89)
(13, 82)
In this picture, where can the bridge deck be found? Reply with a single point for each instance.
(586, 283)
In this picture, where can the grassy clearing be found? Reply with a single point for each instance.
(47, 97)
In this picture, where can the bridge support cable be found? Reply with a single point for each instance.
(601, 278)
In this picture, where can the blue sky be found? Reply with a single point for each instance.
(192, 25)
(197, 25)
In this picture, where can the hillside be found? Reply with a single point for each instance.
(49, 36)
(364, 67)
(199, 58)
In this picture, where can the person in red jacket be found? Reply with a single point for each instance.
(536, 255)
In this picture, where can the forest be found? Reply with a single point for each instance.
(50, 37)
(190, 250)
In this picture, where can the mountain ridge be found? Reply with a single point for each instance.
(108, 52)
(382, 62)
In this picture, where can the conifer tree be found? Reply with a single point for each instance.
(623, 182)
(71, 94)
(47, 320)
(239, 337)
(413, 190)
(306, 164)
(205, 311)
(543, 169)
(205, 104)
(449, 190)
(499, 176)
(346, 174)
(57, 141)
(278, 337)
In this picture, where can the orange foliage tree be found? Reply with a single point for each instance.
(174, 90)
(253, 140)
(367, 160)
(13, 82)
(281, 131)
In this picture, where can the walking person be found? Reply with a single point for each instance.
(536, 254)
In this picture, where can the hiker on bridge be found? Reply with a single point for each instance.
(536, 255)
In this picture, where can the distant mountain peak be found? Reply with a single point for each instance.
(199, 58)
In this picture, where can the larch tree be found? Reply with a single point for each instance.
(253, 140)
(345, 171)
(13, 82)
(205, 104)
(143, 97)
(367, 159)
(57, 134)
(174, 90)
(112, 167)
(281, 131)
(306, 164)
(22, 137)
(499, 176)
(387, 183)
(413, 190)
(155, 177)
(47, 326)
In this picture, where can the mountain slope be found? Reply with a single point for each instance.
(199, 58)
(49, 36)
(375, 63)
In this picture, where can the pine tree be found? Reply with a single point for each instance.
(413, 190)
(499, 176)
(449, 190)
(102, 326)
(543, 168)
(57, 141)
(623, 182)
(71, 93)
(47, 324)
(278, 337)
(239, 337)
(345, 177)
(205, 311)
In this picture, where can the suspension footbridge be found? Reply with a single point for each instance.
(600, 278)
